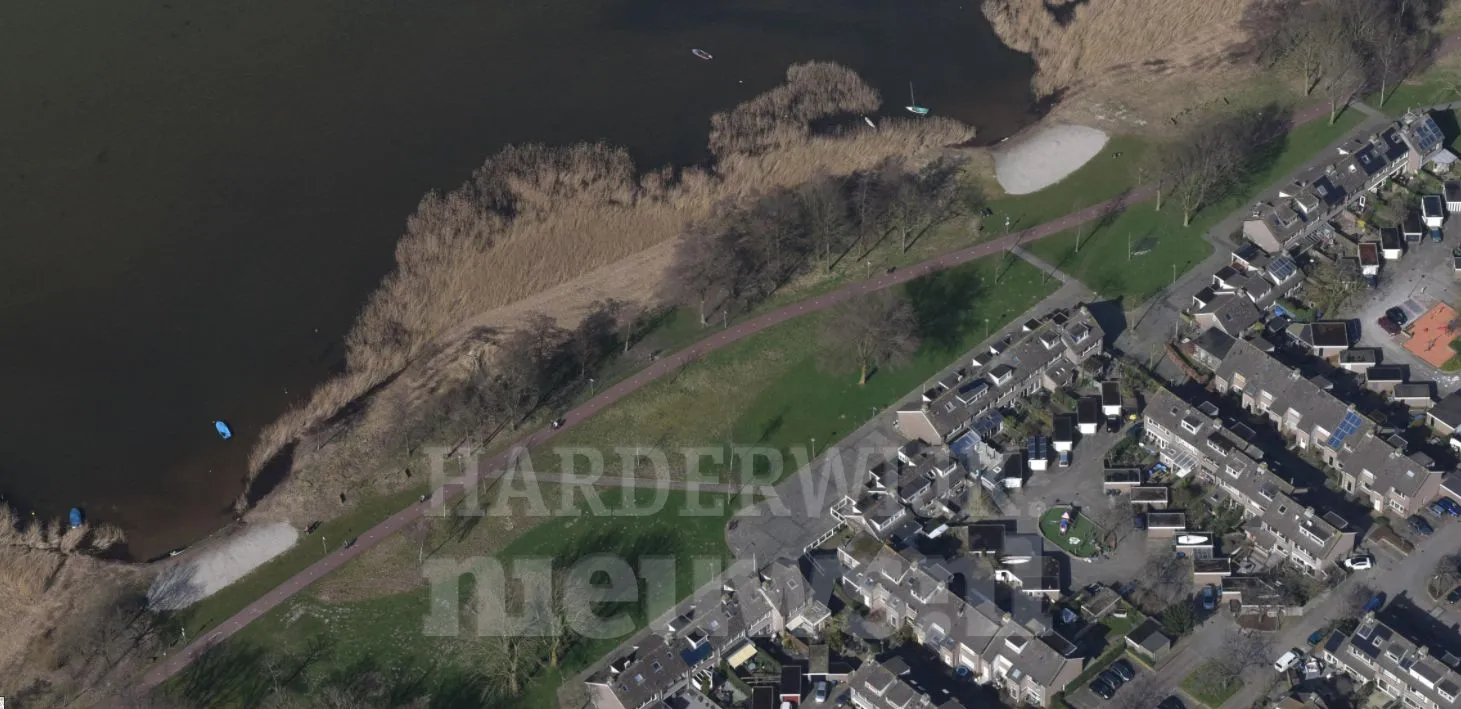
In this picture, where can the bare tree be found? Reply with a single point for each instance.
(1167, 577)
(704, 267)
(1243, 652)
(828, 219)
(1143, 692)
(526, 368)
(1343, 75)
(627, 314)
(1209, 159)
(1115, 520)
(871, 331)
(593, 339)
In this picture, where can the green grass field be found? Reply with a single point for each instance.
(1081, 529)
(773, 390)
(1209, 685)
(1103, 178)
(1136, 253)
(314, 645)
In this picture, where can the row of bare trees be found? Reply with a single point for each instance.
(518, 373)
(1341, 47)
(748, 249)
(1214, 157)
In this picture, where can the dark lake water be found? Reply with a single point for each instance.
(197, 195)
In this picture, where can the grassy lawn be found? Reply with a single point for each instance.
(1431, 87)
(1107, 259)
(1103, 178)
(1210, 685)
(773, 390)
(1082, 528)
(768, 389)
(317, 645)
(223, 604)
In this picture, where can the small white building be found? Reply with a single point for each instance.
(1037, 454)
(1432, 211)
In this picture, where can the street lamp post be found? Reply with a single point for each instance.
(591, 383)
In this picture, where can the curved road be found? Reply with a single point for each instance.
(162, 671)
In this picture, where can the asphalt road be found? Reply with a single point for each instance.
(175, 663)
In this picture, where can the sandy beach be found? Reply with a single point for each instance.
(203, 572)
(1044, 156)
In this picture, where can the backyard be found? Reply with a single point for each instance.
(1081, 529)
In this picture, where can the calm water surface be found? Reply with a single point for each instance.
(197, 195)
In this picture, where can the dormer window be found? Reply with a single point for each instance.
(1191, 426)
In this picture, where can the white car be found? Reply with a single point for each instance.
(1288, 660)
(1359, 563)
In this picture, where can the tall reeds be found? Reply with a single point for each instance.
(536, 217)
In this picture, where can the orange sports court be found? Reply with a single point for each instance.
(1431, 335)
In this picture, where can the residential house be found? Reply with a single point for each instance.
(1194, 440)
(1445, 417)
(1111, 399)
(1297, 214)
(1326, 338)
(1416, 395)
(1024, 660)
(916, 482)
(1385, 377)
(1290, 530)
(1391, 246)
(1359, 359)
(1011, 368)
(1320, 423)
(1040, 576)
(873, 686)
(1148, 641)
(1064, 432)
(1251, 595)
(1210, 347)
(1432, 211)
(1412, 227)
(1401, 667)
(1243, 289)
(1088, 415)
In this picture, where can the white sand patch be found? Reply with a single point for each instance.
(204, 571)
(1030, 163)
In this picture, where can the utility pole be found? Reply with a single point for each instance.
(1174, 274)
(591, 382)
(986, 328)
(323, 547)
(724, 319)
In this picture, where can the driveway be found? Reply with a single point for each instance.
(1423, 277)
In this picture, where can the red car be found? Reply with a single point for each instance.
(1388, 325)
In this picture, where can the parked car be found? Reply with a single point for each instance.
(1421, 526)
(1375, 603)
(1446, 506)
(1112, 678)
(1388, 325)
(1359, 562)
(1315, 637)
(1454, 595)
(1124, 670)
(1288, 660)
(1209, 597)
(820, 694)
(1171, 703)
(1103, 689)
(1113, 424)
(1398, 316)
(1065, 459)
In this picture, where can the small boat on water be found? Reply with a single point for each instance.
(76, 518)
(913, 106)
(223, 430)
(870, 123)
(702, 54)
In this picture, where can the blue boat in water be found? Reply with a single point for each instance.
(77, 517)
(224, 431)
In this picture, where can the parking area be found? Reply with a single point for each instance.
(1422, 278)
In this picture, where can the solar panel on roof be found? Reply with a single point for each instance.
(1347, 426)
(962, 445)
(1427, 135)
(1282, 267)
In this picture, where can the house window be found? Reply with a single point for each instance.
(1397, 505)
(1239, 381)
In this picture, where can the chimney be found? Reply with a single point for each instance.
(1004, 619)
(1308, 511)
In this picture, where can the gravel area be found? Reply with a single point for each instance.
(1043, 157)
(205, 571)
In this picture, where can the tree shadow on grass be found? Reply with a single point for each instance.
(941, 304)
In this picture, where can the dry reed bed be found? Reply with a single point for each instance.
(1078, 44)
(535, 218)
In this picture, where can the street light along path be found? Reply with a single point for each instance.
(173, 664)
